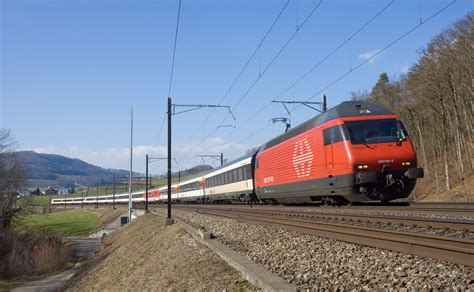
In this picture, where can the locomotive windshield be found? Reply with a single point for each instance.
(376, 131)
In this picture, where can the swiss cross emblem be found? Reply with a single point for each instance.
(302, 158)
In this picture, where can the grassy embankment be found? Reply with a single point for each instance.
(68, 223)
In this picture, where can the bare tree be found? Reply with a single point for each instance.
(436, 102)
(11, 179)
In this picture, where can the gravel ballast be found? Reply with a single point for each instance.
(313, 262)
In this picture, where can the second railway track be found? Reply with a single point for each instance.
(456, 250)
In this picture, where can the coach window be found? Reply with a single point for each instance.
(240, 173)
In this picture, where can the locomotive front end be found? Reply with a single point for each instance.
(383, 158)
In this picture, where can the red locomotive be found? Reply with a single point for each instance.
(357, 151)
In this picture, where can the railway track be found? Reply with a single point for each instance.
(456, 250)
(348, 215)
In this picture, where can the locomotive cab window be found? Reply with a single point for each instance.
(376, 131)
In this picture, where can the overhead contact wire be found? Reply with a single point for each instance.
(273, 60)
(336, 49)
(174, 48)
(241, 71)
(372, 57)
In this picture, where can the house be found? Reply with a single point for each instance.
(50, 191)
(25, 192)
(63, 191)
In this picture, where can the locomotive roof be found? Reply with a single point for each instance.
(344, 109)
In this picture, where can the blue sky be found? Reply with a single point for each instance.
(71, 69)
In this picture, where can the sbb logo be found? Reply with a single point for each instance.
(302, 158)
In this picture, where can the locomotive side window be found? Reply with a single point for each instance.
(334, 134)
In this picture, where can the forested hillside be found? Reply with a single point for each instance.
(42, 170)
(436, 103)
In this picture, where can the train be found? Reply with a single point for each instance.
(355, 152)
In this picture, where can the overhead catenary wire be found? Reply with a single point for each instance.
(161, 130)
(277, 55)
(172, 68)
(174, 49)
(360, 64)
(336, 49)
(365, 61)
(252, 55)
(290, 39)
(315, 66)
(383, 49)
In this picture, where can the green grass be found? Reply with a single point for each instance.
(35, 201)
(68, 223)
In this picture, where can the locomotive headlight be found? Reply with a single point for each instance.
(406, 163)
(362, 166)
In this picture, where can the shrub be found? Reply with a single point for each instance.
(31, 254)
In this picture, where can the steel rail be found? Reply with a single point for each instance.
(393, 220)
(454, 250)
(448, 223)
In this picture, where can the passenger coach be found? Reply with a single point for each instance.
(231, 182)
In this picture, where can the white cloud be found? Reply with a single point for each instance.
(404, 69)
(119, 157)
(371, 56)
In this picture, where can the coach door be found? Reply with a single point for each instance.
(329, 138)
(328, 152)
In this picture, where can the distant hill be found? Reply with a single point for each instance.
(44, 170)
